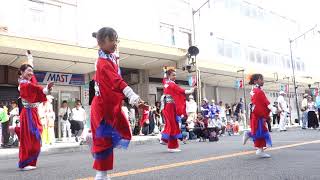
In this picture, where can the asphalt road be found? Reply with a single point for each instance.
(295, 156)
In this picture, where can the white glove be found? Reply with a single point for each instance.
(270, 107)
(46, 90)
(133, 97)
(189, 91)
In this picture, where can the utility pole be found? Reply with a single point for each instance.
(198, 74)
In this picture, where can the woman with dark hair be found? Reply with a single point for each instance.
(109, 126)
(174, 108)
(29, 132)
(313, 121)
(260, 108)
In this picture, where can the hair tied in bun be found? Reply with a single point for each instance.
(94, 34)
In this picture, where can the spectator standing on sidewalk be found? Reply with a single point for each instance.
(284, 110)
(158, 117)
(78, 118)
(65, 116)
(51, 117)
(312, 117)
(222, 112)
(132, 117)
(4, 119)
(318, 105)
(228, 112)
(275, 114)
(44, 122)
(240, 113)
(304, 107)
(15, 122)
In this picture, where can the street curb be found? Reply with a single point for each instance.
(73, 148)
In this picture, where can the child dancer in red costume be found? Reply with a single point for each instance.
(260, 109)
(29, 132)
(109, 126)
(174, 108)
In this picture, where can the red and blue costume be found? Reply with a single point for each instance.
(29, 132)
(109, 125)
(174, 109)
(259, 115)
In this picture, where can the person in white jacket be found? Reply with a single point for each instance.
(284, 110)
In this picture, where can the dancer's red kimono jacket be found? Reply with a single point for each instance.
(174, 100)
(259, 115)
(109, 126)
(29, 132)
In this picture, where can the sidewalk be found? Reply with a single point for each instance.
(64, 147)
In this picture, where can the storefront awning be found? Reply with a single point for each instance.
(59, 57)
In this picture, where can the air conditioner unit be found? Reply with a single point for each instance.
(132, 78)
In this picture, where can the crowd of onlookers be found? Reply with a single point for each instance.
(72, 122)
(209, 121)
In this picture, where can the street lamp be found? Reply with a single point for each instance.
(198, 77)
(293, 66)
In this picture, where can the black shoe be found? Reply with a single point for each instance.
(77, 139)
(81, 142)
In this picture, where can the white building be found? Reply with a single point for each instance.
(231, 35)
